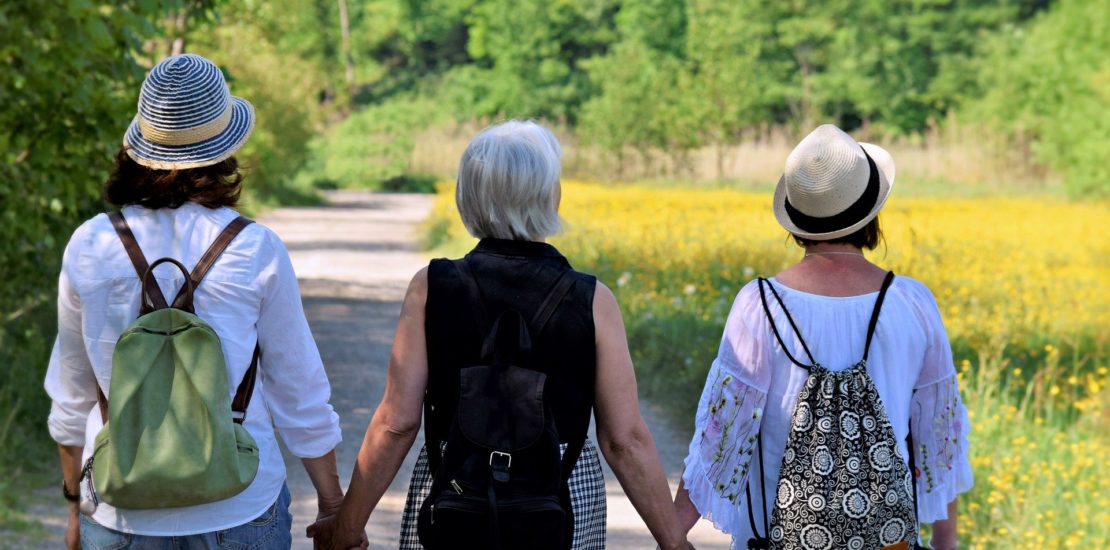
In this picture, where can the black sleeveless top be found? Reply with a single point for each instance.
(511, 275)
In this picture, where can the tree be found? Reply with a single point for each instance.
(1050, 82)
(69, 83)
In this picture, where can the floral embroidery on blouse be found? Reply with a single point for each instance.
(940, 428)
(729, 426)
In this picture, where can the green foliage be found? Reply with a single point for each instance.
(68, 86)
(1050, 82)
(527, 53)
(371, 149)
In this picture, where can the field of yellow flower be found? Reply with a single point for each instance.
(1023, 285)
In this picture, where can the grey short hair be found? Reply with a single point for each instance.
(507, 181)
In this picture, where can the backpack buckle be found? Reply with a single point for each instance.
(238, 417)
(499, 455)
(500, 463)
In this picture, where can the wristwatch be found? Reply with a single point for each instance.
(70, 496)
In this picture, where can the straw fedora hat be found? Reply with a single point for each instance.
(187, 117)
(833, 185)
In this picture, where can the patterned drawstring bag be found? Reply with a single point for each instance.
(843, 483)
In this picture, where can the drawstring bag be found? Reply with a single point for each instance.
(842, 483)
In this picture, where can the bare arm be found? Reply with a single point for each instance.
(325, 478)
(71, 474)
(396, 422)
(684, 508)
(624, 438)
(944, 531)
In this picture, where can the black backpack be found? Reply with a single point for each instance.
(501, 482)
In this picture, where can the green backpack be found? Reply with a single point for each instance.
(172, 437)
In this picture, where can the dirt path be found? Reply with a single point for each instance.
(354, 258)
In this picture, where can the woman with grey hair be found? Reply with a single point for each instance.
(508, 196)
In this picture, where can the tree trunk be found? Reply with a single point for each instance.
(349, 60)
(177, 47)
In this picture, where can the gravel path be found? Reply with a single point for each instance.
(354, 258)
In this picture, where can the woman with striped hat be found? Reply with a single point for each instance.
(176, 182)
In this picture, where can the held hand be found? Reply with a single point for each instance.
(326, 535)
(328, 506)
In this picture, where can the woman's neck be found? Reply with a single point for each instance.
(833, 270)
(832, 250)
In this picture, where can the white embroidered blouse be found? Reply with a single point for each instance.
(753, 385)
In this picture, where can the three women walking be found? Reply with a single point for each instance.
(503, 357)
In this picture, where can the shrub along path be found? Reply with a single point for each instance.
(355, 257)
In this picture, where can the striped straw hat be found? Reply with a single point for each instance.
(187, 117)
(833, 185)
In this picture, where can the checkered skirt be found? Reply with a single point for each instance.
(587, 499)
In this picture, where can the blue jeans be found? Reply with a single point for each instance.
(269, 531)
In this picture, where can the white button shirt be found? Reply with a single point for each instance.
(250, 295)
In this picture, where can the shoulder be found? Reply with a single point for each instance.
(587, 285)
(914, 291)
(419, 282)
(748, 299)
(91, 227)
(603, 294)
(86, 239)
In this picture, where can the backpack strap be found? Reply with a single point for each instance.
(475, 292)
(774, 329)
(243, 394)
(758, 542)
(875, 312)
(246, 386)
(552, 302)
(138, 259)
(213, 253)
(913, 476)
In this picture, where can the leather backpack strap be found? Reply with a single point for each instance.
(102, 404)
(246, 389)
(138, 259)
(213, 253)
(246, 386)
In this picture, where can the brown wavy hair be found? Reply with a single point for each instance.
(213, 186)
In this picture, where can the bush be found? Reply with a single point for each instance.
(69, 82)
(372, 149)
(1050, 82)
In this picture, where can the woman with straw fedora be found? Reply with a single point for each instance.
(831, 417)
(176, 182)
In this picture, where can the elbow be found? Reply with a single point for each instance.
(400, 427)
(618, 446)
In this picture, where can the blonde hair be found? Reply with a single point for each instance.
(507, 181)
